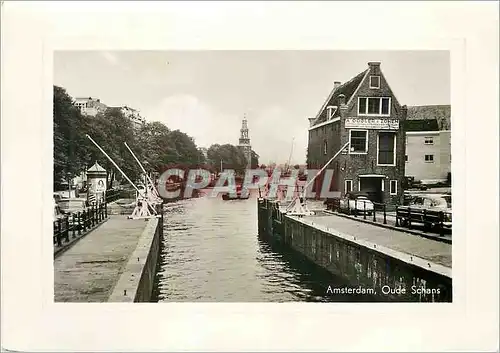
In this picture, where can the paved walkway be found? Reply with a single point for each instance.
(89, 270)
(431, 250)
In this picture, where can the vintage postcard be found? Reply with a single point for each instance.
(249, 176)
(227, 176)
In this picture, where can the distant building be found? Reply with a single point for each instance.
(428, 143)
(244, 142)
(90, 106)
(365, 112)
(133, 114)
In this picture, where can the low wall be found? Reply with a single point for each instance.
(363, 266)
(137, 280)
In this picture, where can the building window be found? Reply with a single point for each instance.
(325, 148)
(429, 158)
(358, 140)
(386, 148)
(429, 141)
(348, 186)
(406, 158)
(374, 81)
(393, 187)
(374, 106)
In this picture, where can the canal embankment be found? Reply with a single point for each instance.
(113, 263)
(364, 254)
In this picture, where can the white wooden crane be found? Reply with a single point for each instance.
(298, 206)
(143, 209)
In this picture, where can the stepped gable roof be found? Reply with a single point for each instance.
(347, 89)
(441, 114)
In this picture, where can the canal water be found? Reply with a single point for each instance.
(212, 252)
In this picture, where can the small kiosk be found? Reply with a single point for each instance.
(96, 181)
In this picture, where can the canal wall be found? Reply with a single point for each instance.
(392, 275)
(136, 283)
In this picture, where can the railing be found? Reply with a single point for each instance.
(334, 205)
(113, 195)
(74, 225)
(405, 216)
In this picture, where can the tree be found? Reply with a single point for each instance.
(67, 124)
(232, 157)
(255, 160)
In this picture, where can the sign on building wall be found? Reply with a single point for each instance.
(372, 123)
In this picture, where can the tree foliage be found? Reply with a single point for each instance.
(155, 145)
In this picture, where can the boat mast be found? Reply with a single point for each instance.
(290, 157)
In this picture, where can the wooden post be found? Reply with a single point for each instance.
(355, 207)
(66, 232)
(79, 223)
(59, 230)
(385, 215)
(441, 226)
(364, 209)
(409, 217)
(74, 225)
(374, 217)
(106, 210)
(425, 220)
(92, 213)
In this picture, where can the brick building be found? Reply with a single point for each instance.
(365, 112)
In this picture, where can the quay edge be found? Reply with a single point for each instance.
(357, 261)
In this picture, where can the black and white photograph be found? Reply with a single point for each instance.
(227, 176)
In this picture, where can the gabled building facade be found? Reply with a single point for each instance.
(365, 112)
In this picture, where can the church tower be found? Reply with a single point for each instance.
(244, 142)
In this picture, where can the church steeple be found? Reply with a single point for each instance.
(244, 142)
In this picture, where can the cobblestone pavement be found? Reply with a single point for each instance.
(89, 270)
(431, 250)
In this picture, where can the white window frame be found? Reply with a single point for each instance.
(366, 141)
(395, 149)
(345, 186)
(330, 112)
(325, 147)
(383, 184)
(370, 81)
(428, 161)
(365, 113)
(428, 140)
(391, 191)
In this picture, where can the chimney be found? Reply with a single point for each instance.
(374, 67)
(336, 84)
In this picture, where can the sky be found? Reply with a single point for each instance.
(206, 94)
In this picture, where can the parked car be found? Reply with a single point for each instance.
(357, 203)
(73, 205)
(431, 203)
